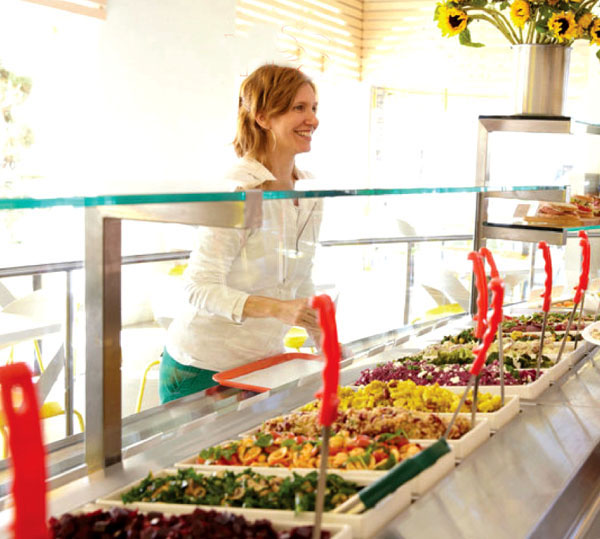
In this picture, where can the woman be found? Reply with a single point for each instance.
(245, 288)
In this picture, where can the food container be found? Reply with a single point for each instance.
(526, 391)
(337, 531)
(364, 525)
(469, 442)
(418, 486)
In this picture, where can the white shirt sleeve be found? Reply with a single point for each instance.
(205, 278)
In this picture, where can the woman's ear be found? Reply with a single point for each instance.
(262, 120)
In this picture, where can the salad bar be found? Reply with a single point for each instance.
(263, 482)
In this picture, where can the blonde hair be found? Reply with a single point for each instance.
(269, 90)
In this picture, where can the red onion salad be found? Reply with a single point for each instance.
(423, 373)
(122, 523)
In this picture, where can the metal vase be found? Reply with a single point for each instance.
(542, 75)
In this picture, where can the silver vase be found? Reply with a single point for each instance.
(541, 79)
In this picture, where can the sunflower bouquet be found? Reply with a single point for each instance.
(545, 22)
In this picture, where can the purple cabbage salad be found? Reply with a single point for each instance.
(423, 373)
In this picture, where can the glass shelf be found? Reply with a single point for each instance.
(170, 198)
(524, 226)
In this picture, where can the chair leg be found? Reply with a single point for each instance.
(138, 407)
(80, 419)
(38, 355)
(4, 435)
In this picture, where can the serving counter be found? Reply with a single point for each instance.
(537, 475)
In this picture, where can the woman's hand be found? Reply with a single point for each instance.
(293, 312)
(297, 312)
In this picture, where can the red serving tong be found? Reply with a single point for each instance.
(547, 295)
(487, 255)
(584, 278)
(580, 289)
(481, 316)
(497, 287)
(482, 297)
(328, 395)
(27, 450)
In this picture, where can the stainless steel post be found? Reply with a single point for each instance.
(103, 351)
(69, 320)
(409, 280)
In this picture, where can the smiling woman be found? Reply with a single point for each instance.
(244, 289)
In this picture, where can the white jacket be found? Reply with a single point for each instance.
(228, 265)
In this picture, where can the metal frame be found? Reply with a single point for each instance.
(485, 230)
(103, 305)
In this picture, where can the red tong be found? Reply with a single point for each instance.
(497, 287)
(331, 349)
(27, 451)
(482, 297)
(487, 254)
(584, 276)
(328, 395)
(547, 295)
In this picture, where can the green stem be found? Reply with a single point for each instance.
(532, 24)
(508, 25)
(494, 23)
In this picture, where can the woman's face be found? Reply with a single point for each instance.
(293, 129)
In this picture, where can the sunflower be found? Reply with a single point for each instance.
(451, 21)
(585, 20)
(552, 2)
(563, 26)
(595, 32)
(520, 12)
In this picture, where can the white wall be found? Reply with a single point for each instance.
(146, 100)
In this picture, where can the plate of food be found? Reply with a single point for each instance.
(592, 333)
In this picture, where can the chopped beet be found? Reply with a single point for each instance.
(123, 523)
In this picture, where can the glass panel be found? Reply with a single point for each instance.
(113, 200)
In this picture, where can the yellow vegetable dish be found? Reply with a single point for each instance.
(408, 395)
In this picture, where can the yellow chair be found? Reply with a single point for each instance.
(138, 406)
(48, 410)
(295, 338)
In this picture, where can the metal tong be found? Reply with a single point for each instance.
(328, 395)
(547, 295)
(497, 287)
(487, 254)
(480, 317)
(580, 289)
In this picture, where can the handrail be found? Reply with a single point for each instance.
(34, 269)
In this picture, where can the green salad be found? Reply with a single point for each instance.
(241, 489)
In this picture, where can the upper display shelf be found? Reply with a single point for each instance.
(538, 124)
(176, 198)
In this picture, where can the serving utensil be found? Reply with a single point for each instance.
(497, 287)
(481, 316)
(547, 295)
(27, 451)
(487, 254)
(328, 395)
(579, 289)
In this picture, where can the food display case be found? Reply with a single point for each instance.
(535, 451)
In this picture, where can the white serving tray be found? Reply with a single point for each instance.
(418, 485)
(527, 391)
(364, 525)
(469, 442)
(337, 531)
(496, 419)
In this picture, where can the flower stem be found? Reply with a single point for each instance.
(495, 23)
(508, 25)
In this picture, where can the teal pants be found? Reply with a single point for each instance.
(177, 380)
